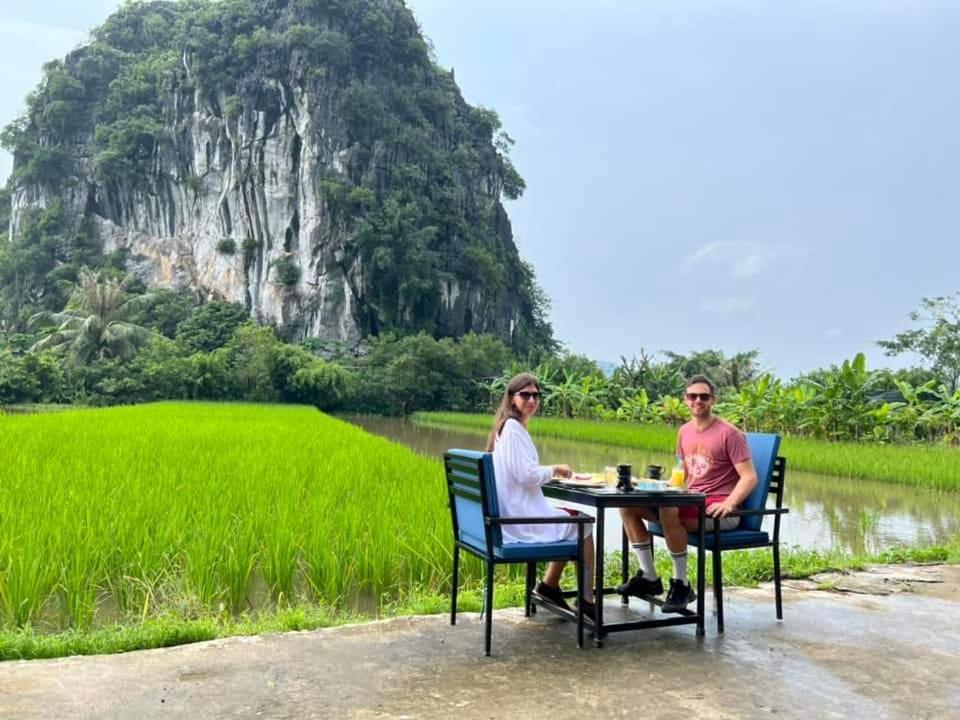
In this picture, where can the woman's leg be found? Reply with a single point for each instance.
(554, 570)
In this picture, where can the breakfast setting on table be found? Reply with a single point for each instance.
(620, 479)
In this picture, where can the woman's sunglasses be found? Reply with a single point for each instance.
(702, 397)
(528, 395)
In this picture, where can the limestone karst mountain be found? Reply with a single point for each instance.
(306, 158)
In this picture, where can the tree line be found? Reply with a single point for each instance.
(114, 342)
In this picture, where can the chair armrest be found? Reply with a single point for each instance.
(771, 511)
(579, 519)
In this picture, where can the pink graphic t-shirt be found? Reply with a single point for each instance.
(710, 456)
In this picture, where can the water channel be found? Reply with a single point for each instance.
(826, 512)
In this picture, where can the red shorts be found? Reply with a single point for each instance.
(688, 512)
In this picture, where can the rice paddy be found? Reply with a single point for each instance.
(156, 525)
(131, 513)
(927, 466)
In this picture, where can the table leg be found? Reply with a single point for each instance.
(598, 585)
(701, 569)
(624, 562)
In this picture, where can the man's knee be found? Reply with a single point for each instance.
(691, 523)
(669, 516)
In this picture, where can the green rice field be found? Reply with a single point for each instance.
(928, 466)
(129, 513)
(156, 525)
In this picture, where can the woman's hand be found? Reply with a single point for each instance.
(563, 471)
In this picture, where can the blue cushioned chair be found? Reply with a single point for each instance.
(476, 528)
(771, 469)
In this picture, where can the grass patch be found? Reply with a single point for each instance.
(927, 466)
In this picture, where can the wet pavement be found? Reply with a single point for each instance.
(836, 655)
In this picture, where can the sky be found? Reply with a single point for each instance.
(727, 174)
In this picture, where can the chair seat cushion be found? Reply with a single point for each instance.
(729, 539)
(537, 551)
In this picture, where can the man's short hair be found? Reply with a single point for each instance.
(702, 379)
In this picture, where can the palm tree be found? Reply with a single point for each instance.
(94, 325)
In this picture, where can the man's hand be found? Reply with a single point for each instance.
(721, 509)
(563, 471)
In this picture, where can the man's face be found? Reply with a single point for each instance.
(699, 399)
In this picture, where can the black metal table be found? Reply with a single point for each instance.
(609, 497)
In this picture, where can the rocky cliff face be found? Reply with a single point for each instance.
(297, 183)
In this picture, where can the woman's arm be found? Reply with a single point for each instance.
(521, 457)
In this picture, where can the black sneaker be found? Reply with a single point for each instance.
(680, 595)
(639, 586)
(552, 595)
(589, 609)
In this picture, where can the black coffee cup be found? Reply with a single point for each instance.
(654, 472)
(623, 478)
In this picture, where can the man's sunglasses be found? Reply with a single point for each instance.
(702, 397)
(528, 395)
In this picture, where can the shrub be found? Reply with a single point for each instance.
(211, 326)
(286, 271)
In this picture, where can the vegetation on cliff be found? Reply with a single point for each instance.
(417, 197)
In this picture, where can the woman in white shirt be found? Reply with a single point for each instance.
(519, 475)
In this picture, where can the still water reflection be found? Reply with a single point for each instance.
(825, 512)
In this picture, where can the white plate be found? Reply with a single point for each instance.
(580, 483)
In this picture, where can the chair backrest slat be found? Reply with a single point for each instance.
(764, 448)
(473, 497)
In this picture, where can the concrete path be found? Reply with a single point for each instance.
(836, 655)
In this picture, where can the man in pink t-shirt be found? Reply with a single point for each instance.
(717, 462)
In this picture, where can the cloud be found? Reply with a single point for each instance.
(727, 305)
(741, 259)
(748, 266)
(713, 251)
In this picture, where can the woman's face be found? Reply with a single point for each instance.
(526, 400)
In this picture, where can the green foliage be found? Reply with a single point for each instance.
(163, 311)
(324, 385)
(401, 375)
(40, 265)
(324, 46)
(211, 326)
(251, 355)
(286, 271)
(937, 341)
(232, 107)
(250, 247)
(227, 246)
(31, 378)
(96, 323)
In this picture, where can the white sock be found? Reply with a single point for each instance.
(644, 553)
(680, 566)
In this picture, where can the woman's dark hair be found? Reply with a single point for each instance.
(702, 379)
(507, 409)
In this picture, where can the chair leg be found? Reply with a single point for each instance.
(456, 580)
(653, 554)
(488, 606)
(581, 567)
(776, 580)
(529, 607)
(718, 586)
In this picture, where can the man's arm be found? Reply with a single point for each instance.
(742, 490)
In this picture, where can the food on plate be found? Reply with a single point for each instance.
(582, 476)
